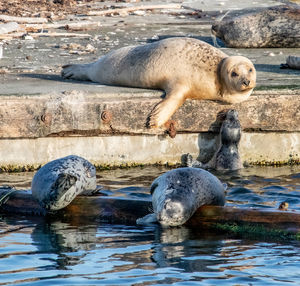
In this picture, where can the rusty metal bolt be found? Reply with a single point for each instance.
(46, 118)
(106, 116)
(171, 128)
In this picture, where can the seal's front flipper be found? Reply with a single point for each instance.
(163, 111)
(95, 191)
(61, 193)
(147, 219)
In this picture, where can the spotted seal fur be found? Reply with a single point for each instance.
(58, 182)
(184, 68)
(178, 193)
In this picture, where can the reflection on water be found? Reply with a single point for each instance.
(34, 251)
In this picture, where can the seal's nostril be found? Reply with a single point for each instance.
(246, 82)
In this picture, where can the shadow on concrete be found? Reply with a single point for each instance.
(55, 77)
(209, 40)
(208, 142)
(275, 69)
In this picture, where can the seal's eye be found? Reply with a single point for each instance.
(234, 74)
(250, 70)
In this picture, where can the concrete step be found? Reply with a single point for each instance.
(43, 118)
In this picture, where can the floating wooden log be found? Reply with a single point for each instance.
(125, 210)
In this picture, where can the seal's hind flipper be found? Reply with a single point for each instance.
(147, 219)
(188, 160)
(75, 71)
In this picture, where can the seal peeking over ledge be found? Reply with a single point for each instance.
(178, 193)
(227, 156)
(184, 68)
(58, 182)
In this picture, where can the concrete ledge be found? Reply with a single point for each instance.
(119, 150)
(65, 112)
(50, 119)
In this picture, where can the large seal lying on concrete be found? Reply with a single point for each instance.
(178, 193)
(227, 155)
(182, 67)
(58, 182)
(273, 27)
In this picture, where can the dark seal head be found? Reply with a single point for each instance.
(58, 182)
(227, 157)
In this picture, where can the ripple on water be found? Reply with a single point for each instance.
(64, 252)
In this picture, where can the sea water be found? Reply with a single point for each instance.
(34, 251)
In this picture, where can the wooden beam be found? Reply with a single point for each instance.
(124, 210)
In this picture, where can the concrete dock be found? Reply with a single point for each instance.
(44, 117)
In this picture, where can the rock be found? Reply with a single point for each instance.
(274, 27)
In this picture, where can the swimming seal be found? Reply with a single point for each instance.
(184, 68)
(272, 27)
(178, 193)
(227, 155)
(58, 182)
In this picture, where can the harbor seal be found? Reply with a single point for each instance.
(184, 68)
(178, 193)
(227, 155)
(292, 62)
(272, 27)
(58, 182)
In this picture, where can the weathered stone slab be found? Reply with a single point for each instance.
(80, 113)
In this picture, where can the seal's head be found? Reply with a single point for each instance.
(231, 128)
(238, 75)
(173, 213)
(227, 157)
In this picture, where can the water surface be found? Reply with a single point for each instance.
(34, 251)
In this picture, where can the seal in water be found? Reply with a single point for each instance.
(182, 67)
(58, 182)
(227, 156)
(178, 193)
(272, 27)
